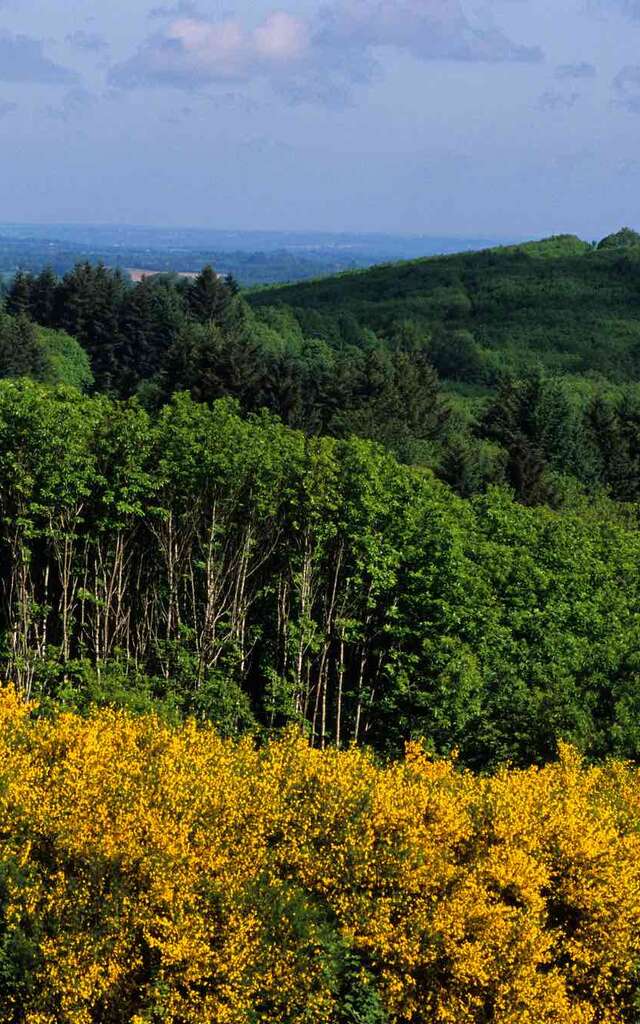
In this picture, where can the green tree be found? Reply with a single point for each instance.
(22, 353)
(20, 295)
(209, 297)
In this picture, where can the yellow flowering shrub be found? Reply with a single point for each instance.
(156, 874)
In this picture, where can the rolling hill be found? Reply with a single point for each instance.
(563, 304)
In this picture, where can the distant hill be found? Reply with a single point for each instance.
(552, 248)
(623, 239)
(560, 303)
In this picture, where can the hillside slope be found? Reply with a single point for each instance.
(560, 303)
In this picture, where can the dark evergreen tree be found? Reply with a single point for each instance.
(20, 295)
(511, 422)
(43, 298)
(606, 435)
(285, 391)
(21, 353)
(73, 301)
(212, 362)
(136, 326)
(209, 297)
(469, 465)
(88, 304)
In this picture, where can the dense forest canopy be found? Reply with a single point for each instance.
(238, 569)
(561, 304)
(537, 348)
(378, 505)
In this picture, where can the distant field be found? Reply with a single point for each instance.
(137, 274)
(253, 258)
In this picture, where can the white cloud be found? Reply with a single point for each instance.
(194, 51)
(318, 57)
(282, 37)
(429, 29)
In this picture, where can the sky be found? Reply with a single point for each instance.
(476, 118)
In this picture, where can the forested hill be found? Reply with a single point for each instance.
(561, 303)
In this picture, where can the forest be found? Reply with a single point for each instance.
(320, 644)
(275, 514)
(562, 304)
(232, 568)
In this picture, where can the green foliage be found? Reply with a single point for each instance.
(66, 361)
(359, 1000)
(621, 239)
(557, 303)
(209, 298)
(227, 567)
(20, 956)
(290, 917)
(360, 355)
(21, 352)
(46, 355)
(219, 698)
(313, 531)
(552, 248)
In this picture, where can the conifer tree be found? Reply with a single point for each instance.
(43, 298)
(20, 295)
(511, 421)
(209, 297)
(21, 353)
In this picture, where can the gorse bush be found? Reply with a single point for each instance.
(151, 873)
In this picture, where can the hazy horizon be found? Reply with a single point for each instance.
(231, 230)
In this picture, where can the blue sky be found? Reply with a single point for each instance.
(500, 118)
